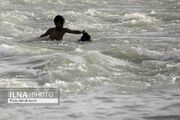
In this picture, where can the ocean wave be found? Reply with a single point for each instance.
(13, 83)
(168, 16)
(133, 54)
(6, 49)
(67, 87)
(138, 19)
(78, 20)
(13, 16)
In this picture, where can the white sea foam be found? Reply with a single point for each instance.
(13, 83)
(99, 58)
(20, 50)
(120, 71)
(4, 49)
(14, 17)
(68, 87)
(138, 19)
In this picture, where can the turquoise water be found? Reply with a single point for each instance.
(129, 72)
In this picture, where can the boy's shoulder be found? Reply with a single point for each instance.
(50, 29)
(63, 29)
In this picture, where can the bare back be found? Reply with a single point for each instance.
(56, 34)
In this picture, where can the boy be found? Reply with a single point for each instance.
(58, 31)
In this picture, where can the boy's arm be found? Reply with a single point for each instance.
(73, 31)
(46, 34)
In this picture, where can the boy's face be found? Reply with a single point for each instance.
(59, 24)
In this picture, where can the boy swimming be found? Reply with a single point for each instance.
(58, 31)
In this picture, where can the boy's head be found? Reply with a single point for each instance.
(59, 21)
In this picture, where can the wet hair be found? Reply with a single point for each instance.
(59, 18)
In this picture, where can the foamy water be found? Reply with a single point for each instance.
(129, 72)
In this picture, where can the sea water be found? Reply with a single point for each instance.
(129, 72)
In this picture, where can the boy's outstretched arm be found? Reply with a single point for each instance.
(73, 31)
(46, 34)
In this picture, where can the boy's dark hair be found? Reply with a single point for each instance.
(59, 18)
